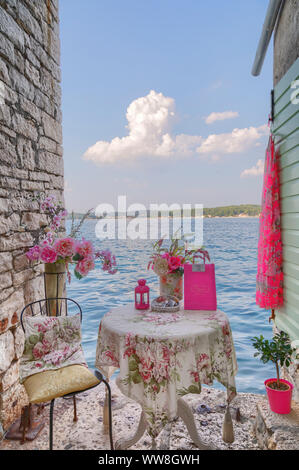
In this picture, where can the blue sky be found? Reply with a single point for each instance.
(196, 57)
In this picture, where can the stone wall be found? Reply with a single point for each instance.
(30, 160)
(286, 39)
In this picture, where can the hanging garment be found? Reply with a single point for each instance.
(269, 280)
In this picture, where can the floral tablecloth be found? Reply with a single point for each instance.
(162, 357)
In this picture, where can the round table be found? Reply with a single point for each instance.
(163, 356)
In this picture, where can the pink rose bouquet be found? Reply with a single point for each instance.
(55, 249)
(171, 260)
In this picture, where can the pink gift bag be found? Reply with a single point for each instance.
(199, 287)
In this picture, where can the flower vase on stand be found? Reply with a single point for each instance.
(54, 283)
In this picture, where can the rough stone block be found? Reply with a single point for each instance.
(34, 221)
(28, 22)
(50, 162)
(9, 223)
(8, 154)
(4, 75)
(19, 341)
(21, 84)
(30, 108)
(11, 404)
(52, 129)
(21, 203)
(39, 176)
(7, 350)
(9, 183)
(22, 277)
(4, 294)
(7, 49)
(11, 309)
(17, 240)
(274, 431)
(3, 205)
(24, 126)
(11, 29)
(32, 73)
(5, 262)
(19, 61)
(26, 153)
(10, 377)
(33, 185)
(5, 280)
(34, 290)
(20, 262)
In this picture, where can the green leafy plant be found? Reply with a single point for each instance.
(278, 351)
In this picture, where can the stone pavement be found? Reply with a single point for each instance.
(87, 433)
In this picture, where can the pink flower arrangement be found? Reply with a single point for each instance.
(55, 249)
(171, 260)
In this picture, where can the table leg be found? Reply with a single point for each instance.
(125, 443)
(186, 414)
(106, 412)
(165, 437)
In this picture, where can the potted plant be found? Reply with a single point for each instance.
(279, 351)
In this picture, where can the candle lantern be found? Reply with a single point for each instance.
(142, 295)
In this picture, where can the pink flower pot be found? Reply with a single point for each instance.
(279, 400)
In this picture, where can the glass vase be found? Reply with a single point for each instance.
(172, 284)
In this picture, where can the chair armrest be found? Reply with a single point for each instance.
(98, 375)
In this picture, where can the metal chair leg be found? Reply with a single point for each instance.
(110, 413)
(51, 424)
(75, 408)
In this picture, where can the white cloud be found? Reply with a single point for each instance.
(256, 170)
(221, 116)
(149, 121)
(237, 141)
(149, 134)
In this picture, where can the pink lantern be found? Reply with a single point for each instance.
(142, 295)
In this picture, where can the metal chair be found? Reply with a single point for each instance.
(64, 306)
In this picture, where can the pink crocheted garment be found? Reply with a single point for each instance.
(269, 280)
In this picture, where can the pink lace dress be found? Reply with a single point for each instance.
(269, 281)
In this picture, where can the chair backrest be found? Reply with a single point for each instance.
(62, 306)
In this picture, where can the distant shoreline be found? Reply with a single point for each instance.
(165, 217)
(242, 211)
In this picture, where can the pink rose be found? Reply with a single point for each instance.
(145, 370)
(48, 254)
(38, 351)
(84, 266)
(195, 376)
(129, 351)
(84, 249)
(174, 262)
(65, 247)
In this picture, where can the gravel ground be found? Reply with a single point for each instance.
(88, 433)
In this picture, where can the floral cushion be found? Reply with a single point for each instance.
(50, 344)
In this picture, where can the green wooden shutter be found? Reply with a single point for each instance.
(286, 131)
